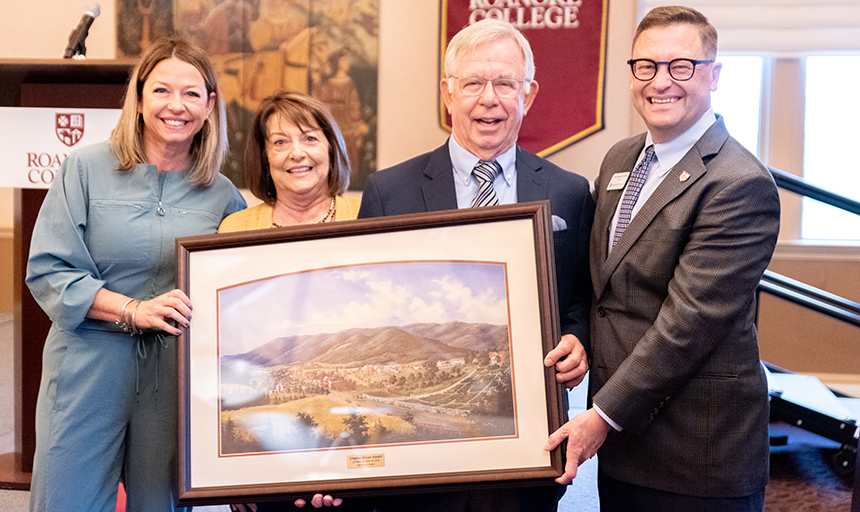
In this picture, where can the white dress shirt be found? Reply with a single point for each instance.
(466, 186)
(666, 155)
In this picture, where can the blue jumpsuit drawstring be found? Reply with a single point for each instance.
(141, 354)
(162, 343)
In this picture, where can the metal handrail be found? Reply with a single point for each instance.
(810, 302)
(810, 291)
(800, 293)
(794, 184)
(810, 297)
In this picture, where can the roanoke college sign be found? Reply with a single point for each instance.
(35, 141)
(568, 38)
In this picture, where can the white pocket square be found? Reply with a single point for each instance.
(558, 224)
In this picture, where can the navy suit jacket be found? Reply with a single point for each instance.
(426, 183)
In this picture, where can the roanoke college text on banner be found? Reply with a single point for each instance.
(568, 38)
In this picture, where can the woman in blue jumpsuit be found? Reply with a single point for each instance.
(102, 266)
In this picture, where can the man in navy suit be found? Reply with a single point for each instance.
(488, 87)
(686, 223)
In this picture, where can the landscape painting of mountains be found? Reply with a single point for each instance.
(387, 353)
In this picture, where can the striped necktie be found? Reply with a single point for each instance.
(485, 173)
(634, 186)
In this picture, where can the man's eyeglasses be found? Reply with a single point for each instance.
(503, 87)
(679, 69)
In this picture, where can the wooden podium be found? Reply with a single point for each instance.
(60, 83)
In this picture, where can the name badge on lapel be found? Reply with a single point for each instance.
(619, 179)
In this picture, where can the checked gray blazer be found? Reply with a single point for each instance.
(674, 351)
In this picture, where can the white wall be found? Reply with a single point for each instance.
(39, 29)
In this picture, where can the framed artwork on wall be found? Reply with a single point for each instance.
(326, 48)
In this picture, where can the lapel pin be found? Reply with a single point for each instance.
(684, 176)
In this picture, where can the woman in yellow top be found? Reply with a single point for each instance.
(296, 163)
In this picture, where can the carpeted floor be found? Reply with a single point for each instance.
(803, 481)
(803, 477)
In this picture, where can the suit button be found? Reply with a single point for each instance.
(601, 312)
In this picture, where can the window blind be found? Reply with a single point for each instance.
(779, 27)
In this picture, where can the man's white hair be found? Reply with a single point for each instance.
(487, 31)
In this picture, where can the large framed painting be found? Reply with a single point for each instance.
(377, 355)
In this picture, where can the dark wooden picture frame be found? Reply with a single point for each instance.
(519, 237)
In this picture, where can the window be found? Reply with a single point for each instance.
(831, 130)
(789, 36)
(738, 98)
(832, 133)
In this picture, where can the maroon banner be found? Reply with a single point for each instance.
(568, 38)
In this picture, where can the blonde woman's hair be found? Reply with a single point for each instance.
(209, 145)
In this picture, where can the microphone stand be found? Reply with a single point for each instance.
(76, 48)
(77, 52)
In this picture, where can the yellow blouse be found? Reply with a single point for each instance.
(260, 216)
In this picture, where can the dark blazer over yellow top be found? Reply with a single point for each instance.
(675, 358)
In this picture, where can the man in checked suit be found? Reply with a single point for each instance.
(488, 87)
(680, 414)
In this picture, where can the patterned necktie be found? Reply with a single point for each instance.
(634, 186)
(485, 172)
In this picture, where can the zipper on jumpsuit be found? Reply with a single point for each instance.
(161, 342)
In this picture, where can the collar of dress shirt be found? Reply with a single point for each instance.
(670, 153)
(464, 161)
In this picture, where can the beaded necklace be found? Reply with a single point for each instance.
(328, 217)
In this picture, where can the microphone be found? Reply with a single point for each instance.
(79, 34)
